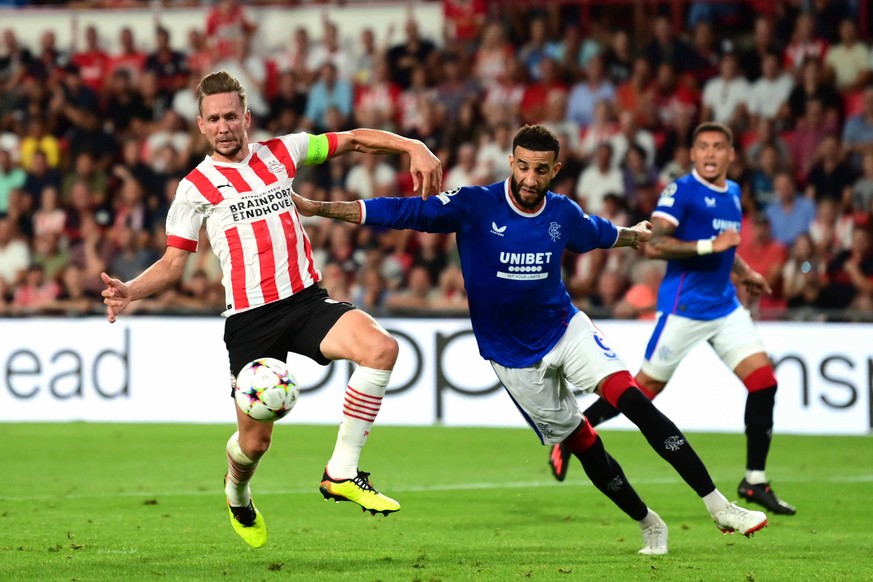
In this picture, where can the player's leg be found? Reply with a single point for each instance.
(359, 338)
(740, 347)
(607, 475)
(671, 444)
(551, 410)
(244, 451)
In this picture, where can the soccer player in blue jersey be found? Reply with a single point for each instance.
(511, 236)
(697, 230)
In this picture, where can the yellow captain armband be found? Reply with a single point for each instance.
(320, 148)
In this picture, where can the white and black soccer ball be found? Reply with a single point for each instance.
(265, 389)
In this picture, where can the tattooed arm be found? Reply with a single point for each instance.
(665, 246)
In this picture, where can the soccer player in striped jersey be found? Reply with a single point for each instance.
(242, 193)
(696, 230)
(511, 236)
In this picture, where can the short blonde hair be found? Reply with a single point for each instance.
(217, 83)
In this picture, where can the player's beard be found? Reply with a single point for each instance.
(229, 150)
(516, 195)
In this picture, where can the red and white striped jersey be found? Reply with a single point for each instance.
(251, 222)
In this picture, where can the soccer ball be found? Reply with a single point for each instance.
(265, 389)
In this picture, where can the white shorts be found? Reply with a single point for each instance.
(733, 337)
(544, 392)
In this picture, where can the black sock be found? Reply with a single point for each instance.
(608, 477)
(667, 440)
(759, 427)
(600, 411)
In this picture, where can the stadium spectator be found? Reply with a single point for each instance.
(636, 95)
(803, 274)
(640, 300)
(455, 87)
(516, 352)
(35, 292)
(768, 95)
(39, 138)
(858, 131)
(762, 177)
(365, 56)
(377, 104)
(493, 151)
(492, 54)
(705, 56)
(328, 91)
(849, 275)
(811, 86)
(415, 295)
(538, 93)
(370, 176)
(697, 302)
(502, 101)
(862, 190)
(12, 177)
(129, 58)
(670, 98)
(199, 57)
(803, 143)
(16, 60)
(831, 229)
(677, 167)
(764, 43)
(848, 62)
(464, 21)
(618, 57)
(39, 175)
(725, 97)
(805, 44)
(790, 213)
(640, 179)
(602, 129)
(764, 255)
(168, 64)
(331, 49)
(335, 330)
(49, 217)
(666, 46)
(414, 51)
(450, 294)
(73, 298)
(92, 61)
(14, 253)
(631, 133)
(597, 180)
(227, 23)
(535, 48)
(592, 89)
(830, 177)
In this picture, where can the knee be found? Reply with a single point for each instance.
(255, 446)
(381, 352)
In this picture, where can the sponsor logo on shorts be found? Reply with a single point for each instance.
(607, 351)
(545, 429)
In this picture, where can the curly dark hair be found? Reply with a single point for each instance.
(536, 138)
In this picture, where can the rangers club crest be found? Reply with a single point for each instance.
(555, 231)
(673, 443)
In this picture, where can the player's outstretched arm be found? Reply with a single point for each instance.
(344, 210)
(632, 236)
(425, 167)
(664, 245)
(162, 274)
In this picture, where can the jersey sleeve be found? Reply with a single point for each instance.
(443, 213)
(184, 219)
(590, 232)
(671, 205)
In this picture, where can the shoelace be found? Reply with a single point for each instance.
(245, 515)
(362, 481)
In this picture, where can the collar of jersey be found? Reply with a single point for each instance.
(243, 162)
(515, 208)
(712, 187)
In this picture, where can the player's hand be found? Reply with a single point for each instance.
(726, 240)
(643, 230)
(305, 206)
(426, 170)
(756, 284)
(116, 297)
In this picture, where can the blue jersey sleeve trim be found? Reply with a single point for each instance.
(668, 217)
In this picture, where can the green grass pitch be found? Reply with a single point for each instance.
(145, 502)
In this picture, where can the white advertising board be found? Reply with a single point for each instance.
(146, 369)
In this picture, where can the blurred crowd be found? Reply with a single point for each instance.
(93, 143)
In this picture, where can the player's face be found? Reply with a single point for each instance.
(224, 123)
(712, 153)
(532, 172)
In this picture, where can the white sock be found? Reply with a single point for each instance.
(651, 519)
(240, 470)
(363, 399)
(755, 477)
(715, 502)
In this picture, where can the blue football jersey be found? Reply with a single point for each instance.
(511, 261)
(699, 287)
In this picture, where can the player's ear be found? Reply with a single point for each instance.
(248, 118)
(556, 168)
